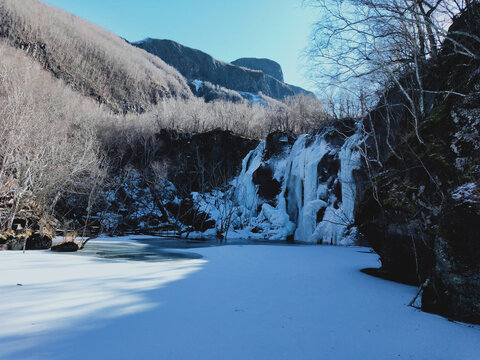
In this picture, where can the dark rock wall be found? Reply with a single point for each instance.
(201, 162)
(144, 201)
(421, 209)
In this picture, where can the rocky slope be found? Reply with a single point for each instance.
(197, 65)
(271, 68)
(146, 200)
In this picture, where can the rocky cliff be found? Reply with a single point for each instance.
(271, 68)
(421, 212)
(152, 192)
(195, 65)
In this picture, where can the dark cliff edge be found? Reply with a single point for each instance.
(194, 64)
(421, 208)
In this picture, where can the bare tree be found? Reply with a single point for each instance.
(374, 44)
(36, 168)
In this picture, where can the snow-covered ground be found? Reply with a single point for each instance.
(237, 302)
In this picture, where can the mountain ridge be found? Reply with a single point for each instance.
(195, 64)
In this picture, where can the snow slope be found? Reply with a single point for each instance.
(238, 302)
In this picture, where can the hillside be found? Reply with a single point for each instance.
(90, 59)
(48, 142)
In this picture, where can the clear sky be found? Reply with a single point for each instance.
(226, 29)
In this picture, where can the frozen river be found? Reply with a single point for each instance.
(163, 299)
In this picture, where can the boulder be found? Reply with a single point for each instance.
(268, 186)
(36, 241)
(278, 143)
(67, 246)
(454, 287)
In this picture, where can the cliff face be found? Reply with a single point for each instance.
(268, 66)
(196, 65)
(422, 211)
(154, 194)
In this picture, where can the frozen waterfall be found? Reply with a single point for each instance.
(317, 197)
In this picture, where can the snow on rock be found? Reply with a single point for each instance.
(467, 193)
(253, 98)
(131, 206)
(302, 190)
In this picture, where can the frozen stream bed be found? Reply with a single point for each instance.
(217, 302)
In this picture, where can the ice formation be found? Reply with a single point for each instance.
(317, 199)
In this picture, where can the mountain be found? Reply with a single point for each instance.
(126, 78)
(91, 60)
(254, 76)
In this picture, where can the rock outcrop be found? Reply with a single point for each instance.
(25, 241)
(268, 66)
(271, 68)
(67, 246)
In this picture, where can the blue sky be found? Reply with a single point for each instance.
(226, 29)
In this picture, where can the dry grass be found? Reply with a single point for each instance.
(92, 60)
